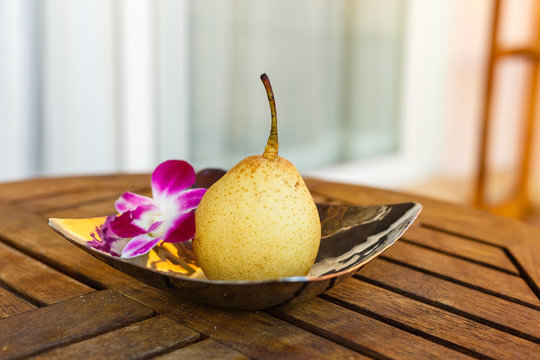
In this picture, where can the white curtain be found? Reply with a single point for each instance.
(82, 85)
(103, 86)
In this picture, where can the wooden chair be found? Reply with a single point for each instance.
(518, 204)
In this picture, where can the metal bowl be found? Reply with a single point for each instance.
(351, 236)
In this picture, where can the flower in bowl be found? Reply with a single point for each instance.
(144, 222)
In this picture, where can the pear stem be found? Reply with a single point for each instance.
(272, 145)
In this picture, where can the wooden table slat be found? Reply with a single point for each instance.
(528, 257)
(522, 320)
(475, 251)
(89, 209)
(253, 333)
(36, 280)
(464, 271)
(11, 304)
(35, 189)
(67, 321)
(468, 334)
(98, 208)
(22, 191)
(203, 350)
(365, 334)
(140, 340)
(66, 201)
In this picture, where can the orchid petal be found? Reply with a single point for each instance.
(134, 223)
(171, 177)
(123, 226)
(181, 229)
(189, 200)
(139, 245)
(129, 201)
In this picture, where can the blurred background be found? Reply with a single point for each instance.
(385, 93)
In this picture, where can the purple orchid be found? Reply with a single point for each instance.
(145, 222)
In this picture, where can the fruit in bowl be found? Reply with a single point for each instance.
(259, 220)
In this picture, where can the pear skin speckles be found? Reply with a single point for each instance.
(267, 229)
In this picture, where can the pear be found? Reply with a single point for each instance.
(258, 221)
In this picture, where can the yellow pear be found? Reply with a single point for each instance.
(259, 220)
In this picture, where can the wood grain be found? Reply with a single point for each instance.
(68, 200)
(203, 350)
(36, 280)
(464, 271)
(22, 191)
(500, 313)
(255, 334)
(10, 304)
(528, 257)
(37, 188)
(458, 246)
(70, 320)
(432, 322)
(361, 332)
(140, 340)
(97, 208)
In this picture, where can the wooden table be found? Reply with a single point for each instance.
(460, 284)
